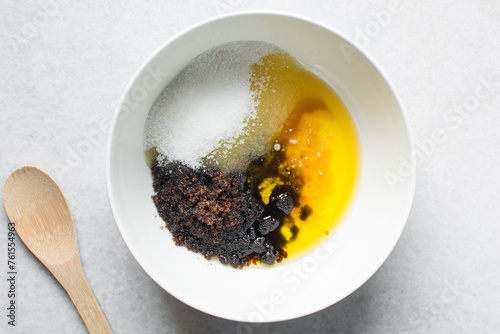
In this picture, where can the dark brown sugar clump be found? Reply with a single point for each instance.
(214, 213)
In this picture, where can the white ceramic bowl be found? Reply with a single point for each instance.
(332, 270)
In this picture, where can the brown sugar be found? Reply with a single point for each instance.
(214, 213)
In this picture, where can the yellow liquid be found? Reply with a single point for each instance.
(319, 141)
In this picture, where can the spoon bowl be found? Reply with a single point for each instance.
(31, 197)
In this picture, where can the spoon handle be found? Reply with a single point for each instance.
(70, 275)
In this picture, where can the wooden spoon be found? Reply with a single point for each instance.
(36, 204)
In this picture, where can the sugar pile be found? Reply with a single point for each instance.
(208, 103)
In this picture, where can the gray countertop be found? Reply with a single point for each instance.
(64, 64)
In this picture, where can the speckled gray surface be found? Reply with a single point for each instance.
(64, 65)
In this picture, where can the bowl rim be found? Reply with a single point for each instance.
(143, 66)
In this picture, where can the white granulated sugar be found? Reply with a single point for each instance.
(210, 101)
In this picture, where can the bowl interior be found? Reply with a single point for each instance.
(330, 271)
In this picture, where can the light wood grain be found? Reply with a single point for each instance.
(36, 204)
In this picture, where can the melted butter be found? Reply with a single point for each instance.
(319, 143)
